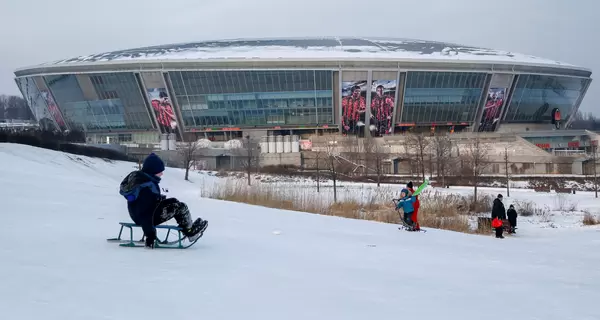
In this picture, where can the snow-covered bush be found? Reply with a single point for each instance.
(233, 144)
(203, 143)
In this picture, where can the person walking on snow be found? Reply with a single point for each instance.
(511, 214)
(406, 202)
(416, 205)
(148, 207)
(498, 211)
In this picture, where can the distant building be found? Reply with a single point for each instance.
(227, 89)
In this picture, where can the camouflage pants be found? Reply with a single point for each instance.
(173, 208)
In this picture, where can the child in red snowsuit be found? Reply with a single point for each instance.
(416, 205)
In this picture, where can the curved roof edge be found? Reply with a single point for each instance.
(311, 49)
(342, 64)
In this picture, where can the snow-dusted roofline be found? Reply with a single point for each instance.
(321, 49)
(328, 64)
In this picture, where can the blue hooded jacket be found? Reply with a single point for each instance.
(406, 203)
(143, 197)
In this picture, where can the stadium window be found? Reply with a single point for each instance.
(535, 96)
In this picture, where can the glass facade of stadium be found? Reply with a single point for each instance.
(134, 106)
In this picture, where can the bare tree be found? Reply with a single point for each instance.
(375, 156)
(249, 156)
(476, 154)
(594, 163)
(189, 155)
(416, 145)
(332, 152)
(507, 172)
(442, 149)
(318, 156)
(14, 107)
(353, 161)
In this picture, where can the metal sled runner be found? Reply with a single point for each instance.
(164, 244)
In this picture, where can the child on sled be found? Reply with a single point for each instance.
(406, 202)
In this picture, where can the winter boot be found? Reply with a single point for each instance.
(196, 230)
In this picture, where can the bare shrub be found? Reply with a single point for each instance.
(354, 210)
(438, 210)
(562, 203)
(483, 203)
(544, 213)
(457, 223)
(441, 204)
(264, 194)
(525, 208)
(444, 211)
(590, 220)
(572, 207)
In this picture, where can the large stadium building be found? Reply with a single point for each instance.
(232, 88)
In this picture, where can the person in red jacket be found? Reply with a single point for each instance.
(416, 204)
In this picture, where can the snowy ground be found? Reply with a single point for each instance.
(58, 211)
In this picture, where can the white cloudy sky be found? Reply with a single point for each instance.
(36, 31)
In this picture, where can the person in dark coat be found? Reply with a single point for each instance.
(511, 213)
(148, 207)
(498, 211)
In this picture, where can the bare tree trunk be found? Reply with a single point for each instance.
(594, 150)
(318, 175)
(334, 178)
(430, 165)
(249, 165)
(506, 169)
(477, 155)
(475, 192)
(422, 162)
(418, 143)
(189, 154)
(378, 173)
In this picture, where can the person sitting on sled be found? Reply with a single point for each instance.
(148, 207)
(406, 202)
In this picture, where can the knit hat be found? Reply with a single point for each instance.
(153, 164)
(405, 191)
(409, 185)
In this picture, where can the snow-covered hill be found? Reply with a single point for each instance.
(58, 209)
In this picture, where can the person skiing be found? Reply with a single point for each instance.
(148, 207)
(511, 214)
(498, 211)
(416, 205)
(406, 202)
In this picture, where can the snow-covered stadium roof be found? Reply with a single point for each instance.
(312, 48)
